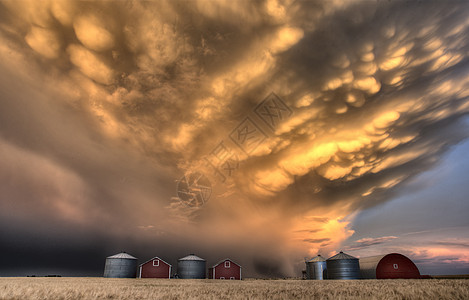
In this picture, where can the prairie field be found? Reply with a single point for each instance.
(106, 288)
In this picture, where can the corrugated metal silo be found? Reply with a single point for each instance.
(316, 268)
(389, 266)
(121, 265)
(191, 267)
(343, 266)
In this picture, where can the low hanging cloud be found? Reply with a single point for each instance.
(449, 255)
(316, 241)
(115, 101)
(368, 242)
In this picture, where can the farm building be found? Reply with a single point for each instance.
(389, 266)
(225, 269)
(191, 267)
(316, 268)
(121, 265)
(154, 268)
(343, 266)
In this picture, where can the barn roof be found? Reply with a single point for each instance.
(153, 259)
(341, 255)
(223, 260)
(122, 255)
(192, 257)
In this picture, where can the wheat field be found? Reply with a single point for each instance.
(106, 288)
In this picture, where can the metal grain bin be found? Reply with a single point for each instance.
(343, 266)
(191, 267)
(316, 268)
(121, 265)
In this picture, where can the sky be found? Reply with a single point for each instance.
(264, 131)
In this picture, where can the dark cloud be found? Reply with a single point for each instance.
(368, 242)
(308, 231)
(316, 241)
(456, 244)
(268, 268)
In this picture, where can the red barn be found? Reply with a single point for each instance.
(155, 268)
(225, 269)
(389, 266)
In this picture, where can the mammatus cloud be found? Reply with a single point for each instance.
(115, 101)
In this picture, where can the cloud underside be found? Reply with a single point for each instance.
(115, 101)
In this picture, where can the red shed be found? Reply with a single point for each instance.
(155, 268)
(389, 266)
(225, 269)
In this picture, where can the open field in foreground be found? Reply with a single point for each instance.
(103, 288)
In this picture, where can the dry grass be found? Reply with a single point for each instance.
(102, 288)
(450, 276)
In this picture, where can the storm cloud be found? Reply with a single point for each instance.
(320, 109)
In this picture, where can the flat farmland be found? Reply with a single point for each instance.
(106, 288)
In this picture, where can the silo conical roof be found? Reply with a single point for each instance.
(341, 255)
(122, 255)
(317, 258)
(192, 257)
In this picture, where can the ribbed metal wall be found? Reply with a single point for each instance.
(120, 267)
(316, 268)
(343, 266)
(368, 266)
(191, 268)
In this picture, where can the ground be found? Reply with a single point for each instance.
(107, 288)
